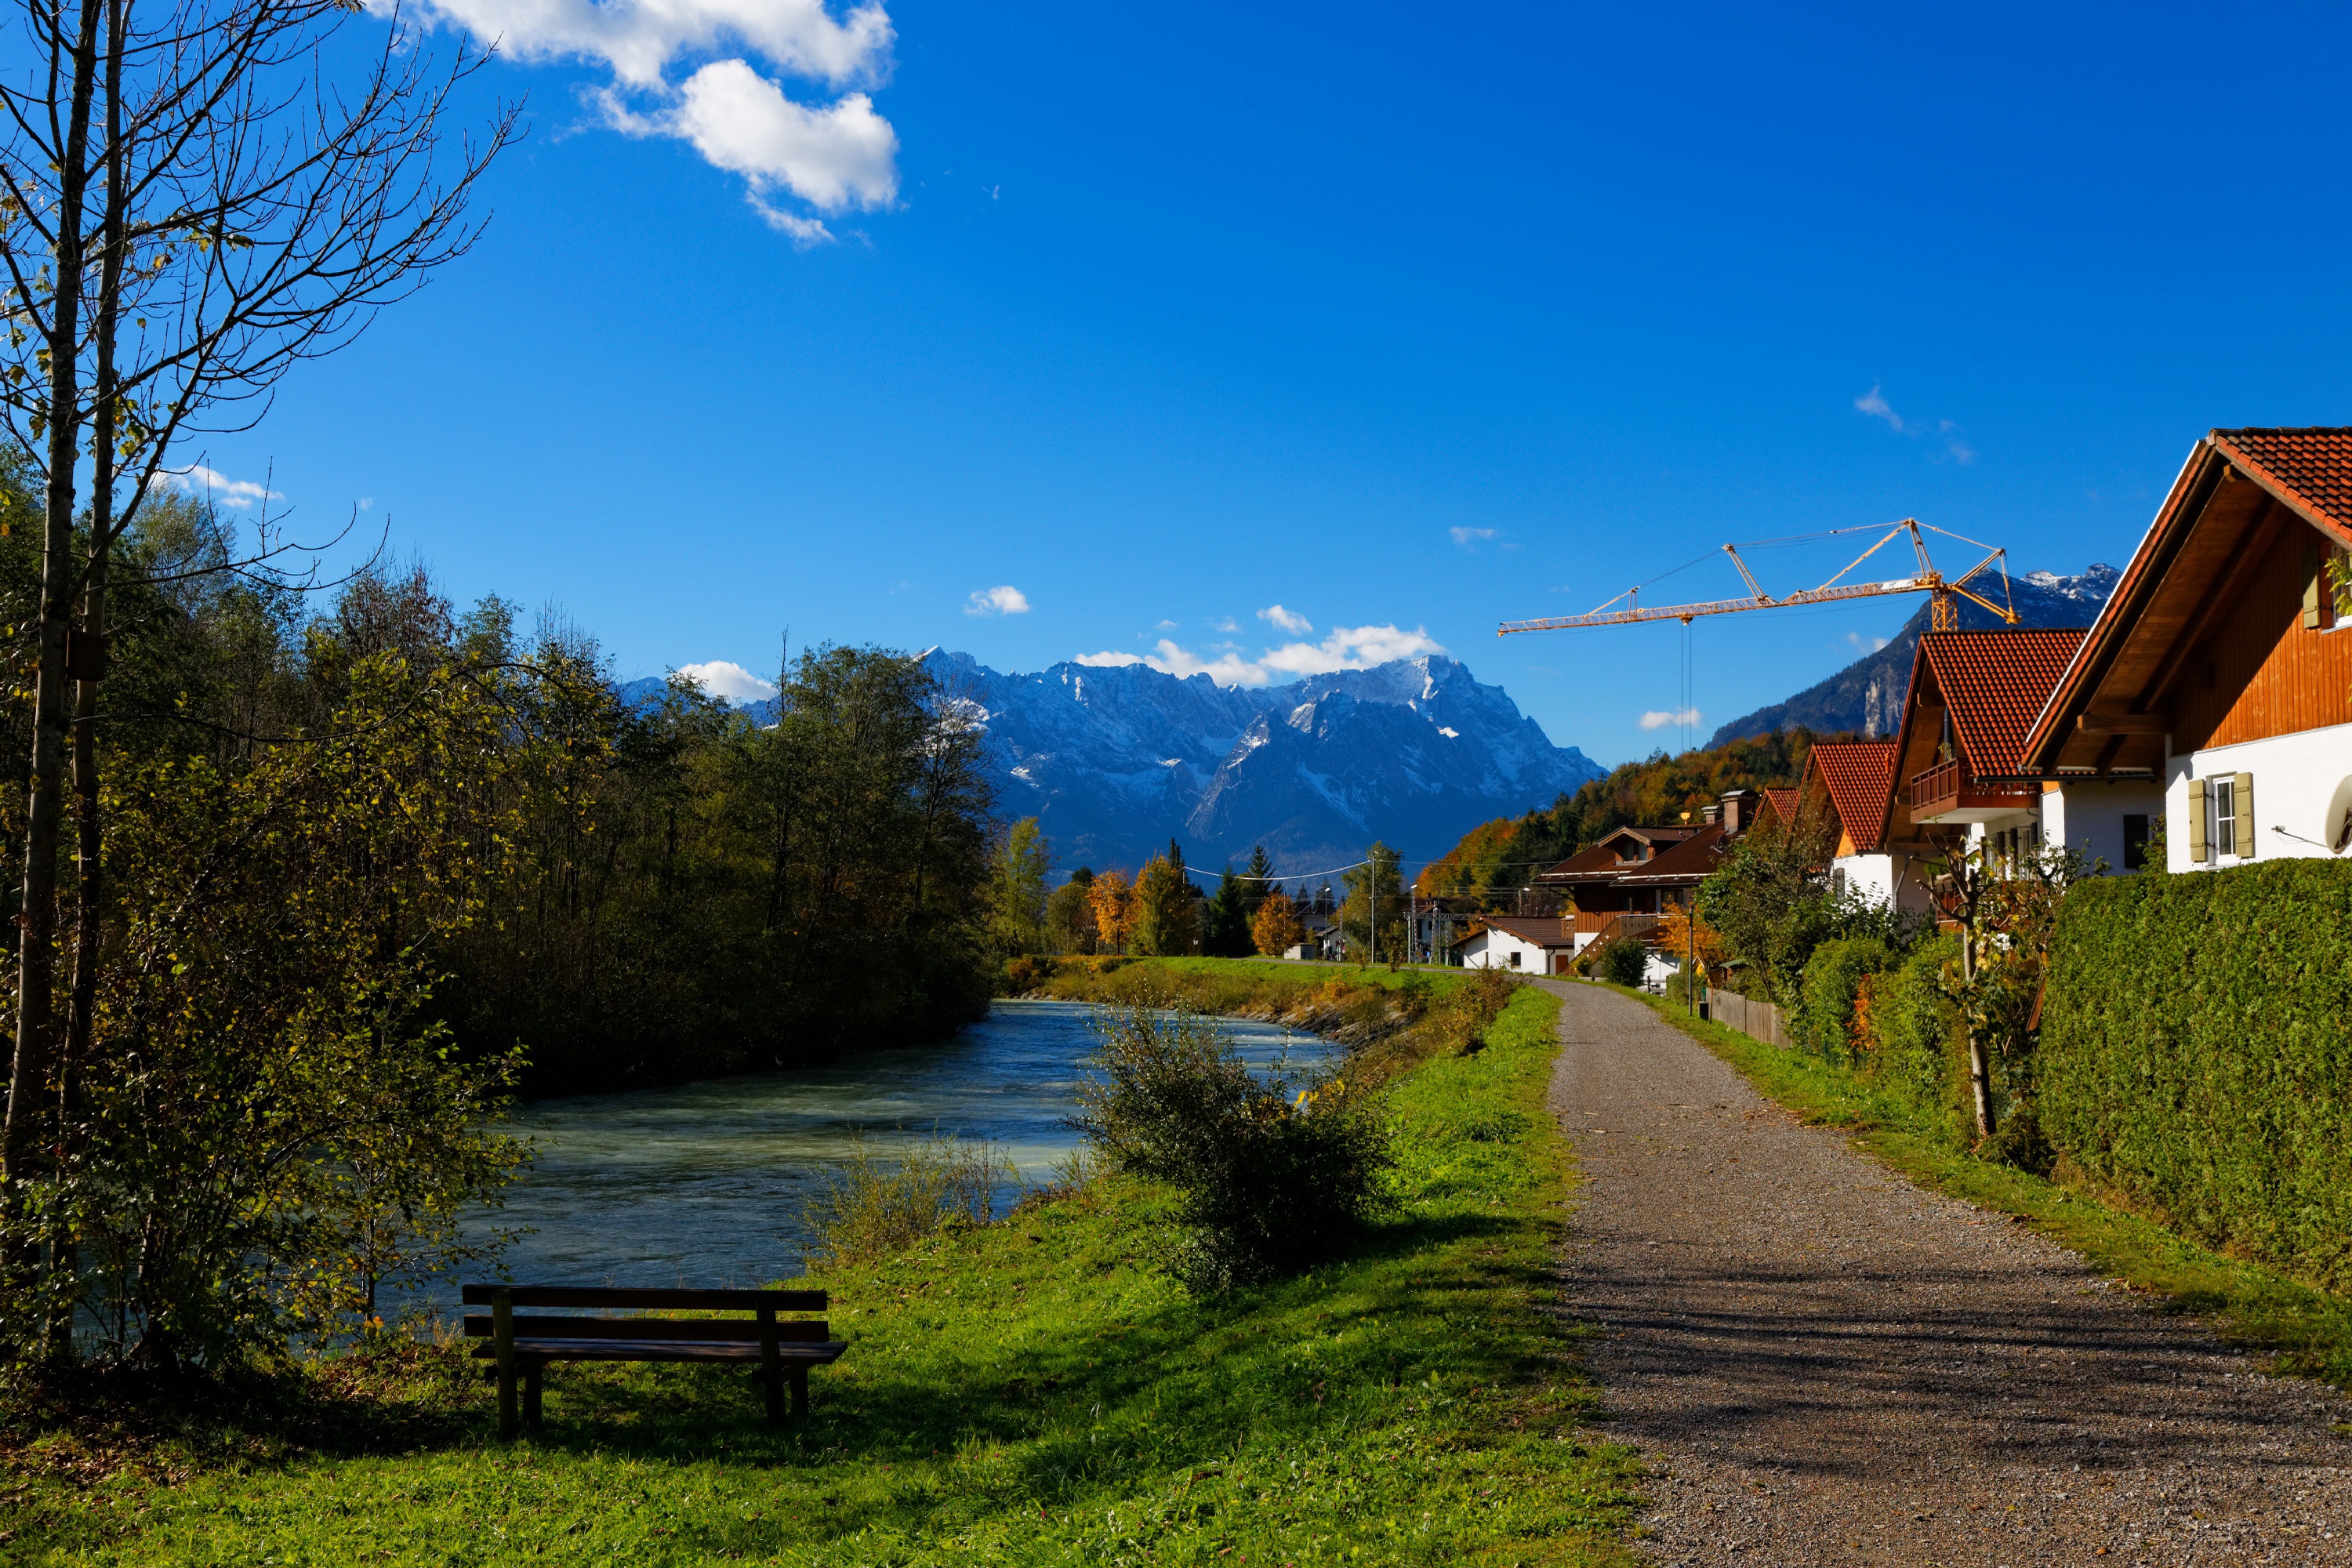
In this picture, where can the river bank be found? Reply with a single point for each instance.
(1034, 1391)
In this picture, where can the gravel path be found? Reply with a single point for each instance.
(1825, 1364)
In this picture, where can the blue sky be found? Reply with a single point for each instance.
(1414, 320)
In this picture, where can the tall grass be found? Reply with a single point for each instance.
(874, 1205)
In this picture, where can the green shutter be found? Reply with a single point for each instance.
(2245, 805)
(2198, 791)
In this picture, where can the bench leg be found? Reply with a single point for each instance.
(507, 1421)
(771, 1390)
(800, 1393)
(530, 1388)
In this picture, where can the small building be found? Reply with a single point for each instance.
(2214, 693)
(1532, 946)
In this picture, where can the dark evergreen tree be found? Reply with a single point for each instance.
(1259, 881)
(1225, 930)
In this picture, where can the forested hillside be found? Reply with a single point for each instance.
(1499, 856)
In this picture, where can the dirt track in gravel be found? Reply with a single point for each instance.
(1824, 1365)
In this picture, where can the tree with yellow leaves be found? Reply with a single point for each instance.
(1114, 904)
(1277, 929)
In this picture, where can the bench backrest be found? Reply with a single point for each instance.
(766, 1304)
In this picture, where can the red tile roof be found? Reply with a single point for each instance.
(1994, 685)
(1861, 779)
(1785, 802)
(1691, 861)
(2310, 468)
(1599, 859)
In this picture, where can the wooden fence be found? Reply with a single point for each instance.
(1756, 1020)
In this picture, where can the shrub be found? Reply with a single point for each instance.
(1274, 1171)
(1910, 1048)
(1029, 972)
(2195, 1053)
(1822, 1021)
(871, 1205)
(1624, 963)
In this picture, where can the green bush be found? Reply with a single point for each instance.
(1275, 1170)
(1914, 1032)
(1624, 963)
(2197, 1053)
(1823, 1019)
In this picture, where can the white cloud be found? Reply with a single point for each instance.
(1224, 623)
(1165, 627)
(1347, 647)
(1657, 718)
(1006, 600)
(1287, 620)
(218, 488)
(1877, 408)
(834, 156)
(723, 678)
(1468, 538)
(1867, 644)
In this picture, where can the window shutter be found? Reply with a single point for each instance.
(2199, 850)
(2245, 803)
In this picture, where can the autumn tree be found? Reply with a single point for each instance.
(1113, 900)
(1277, 928)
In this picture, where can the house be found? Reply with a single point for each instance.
(1593, 877)
(2214, 693)
(1851, 783)
(1959, 773)
(1532, 947)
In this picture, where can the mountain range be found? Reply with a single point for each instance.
(1117, 760)
(1867, 695)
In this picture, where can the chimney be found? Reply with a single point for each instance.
(1735, 812)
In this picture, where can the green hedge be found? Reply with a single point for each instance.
(1823, 1019)
(2197, 1053)
(1915, 1056)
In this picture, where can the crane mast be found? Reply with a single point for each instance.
(1945, 615)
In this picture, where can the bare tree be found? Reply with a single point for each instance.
(191, 204)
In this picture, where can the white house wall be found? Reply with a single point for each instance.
(2088, 815)
(1493, 949)
(2302, 783)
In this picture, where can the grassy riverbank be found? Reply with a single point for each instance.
(1034, 1392)
(2308, 1331)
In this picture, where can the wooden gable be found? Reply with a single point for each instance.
(2221, 631)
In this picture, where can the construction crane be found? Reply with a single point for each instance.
(1945, 615)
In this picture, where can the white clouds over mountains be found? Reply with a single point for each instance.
(1347, 647)
(838, 156)
(725, 678)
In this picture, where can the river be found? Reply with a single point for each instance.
(703, 1184)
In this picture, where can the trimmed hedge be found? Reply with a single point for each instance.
(1823, 1019)
(1913, 1030)
(2196, 1052)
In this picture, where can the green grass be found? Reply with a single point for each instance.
(1034, 1392)
(2306, 1332)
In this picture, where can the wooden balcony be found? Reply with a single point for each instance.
(1947, 793)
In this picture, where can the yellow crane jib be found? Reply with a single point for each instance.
(1944, 617)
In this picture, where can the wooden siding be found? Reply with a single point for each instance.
(2259, 671)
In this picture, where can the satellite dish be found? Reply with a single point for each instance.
(2336, 832)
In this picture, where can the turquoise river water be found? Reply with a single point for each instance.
(703, 1184)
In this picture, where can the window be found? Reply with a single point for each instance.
(2225, 817)
(1514, 958)
(2134, 842)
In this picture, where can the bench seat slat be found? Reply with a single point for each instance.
(743, 1328)
(526, 1350)
(631, 1297)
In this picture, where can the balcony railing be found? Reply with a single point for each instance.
(1946, 792)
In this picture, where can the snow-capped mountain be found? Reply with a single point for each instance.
(1115, 761)
(1867, 695)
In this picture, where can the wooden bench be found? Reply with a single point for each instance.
(522, 1346)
